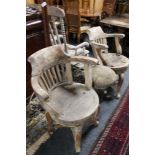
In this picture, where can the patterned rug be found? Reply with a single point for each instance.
(114, 140)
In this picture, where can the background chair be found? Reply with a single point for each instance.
(68, 104)
(57, 32)
(74, 23)
(115, 60)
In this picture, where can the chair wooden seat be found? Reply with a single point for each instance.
(76, 103)
(115, 61)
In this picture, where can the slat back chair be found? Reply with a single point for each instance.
(68, 104)
(115, 60)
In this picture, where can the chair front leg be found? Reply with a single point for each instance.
(50, 123)
(77, 132)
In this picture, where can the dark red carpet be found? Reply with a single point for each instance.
(114, 139)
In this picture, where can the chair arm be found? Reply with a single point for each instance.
(41, 93)
(84, 44)
(84, 59)
(120, 35)
(98, 45)
(43, 96)
(117, 36)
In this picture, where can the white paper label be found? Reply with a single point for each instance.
(43, 4)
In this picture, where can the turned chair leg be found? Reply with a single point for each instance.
(49, 122)
(77, 132)
(119, 85)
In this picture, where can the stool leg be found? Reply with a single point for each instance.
(95, 118)
(77, 132)
(119, 85)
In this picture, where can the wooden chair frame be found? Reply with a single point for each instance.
(98, 41)
(51, 70)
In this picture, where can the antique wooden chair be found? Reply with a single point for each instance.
(57, 36)
(68, 104)
(75, 24)
(115, 60)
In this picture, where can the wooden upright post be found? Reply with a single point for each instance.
(45, 22)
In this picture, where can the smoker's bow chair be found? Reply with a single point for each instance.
(57, 36)
(68, 104)
(115, 60)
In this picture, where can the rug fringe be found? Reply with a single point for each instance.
(36, 145)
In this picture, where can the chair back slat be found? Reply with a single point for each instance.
(56, 31)
(51, 76)
(46, 76)
(55, 75)
(62, 70)
(58, 72)
(42, 84)
(52, 38)
(44, 81)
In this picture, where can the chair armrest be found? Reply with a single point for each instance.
(43, 96)
(120, 35)
(41, 93)
(84, 59)
(117, 36)
(98, 45)
(84, 44)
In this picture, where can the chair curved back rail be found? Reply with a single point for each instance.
(52, 67)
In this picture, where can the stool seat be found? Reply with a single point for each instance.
(103, 76)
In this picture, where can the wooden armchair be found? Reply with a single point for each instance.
(68, 104)
(57, 36)
(115, 60)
